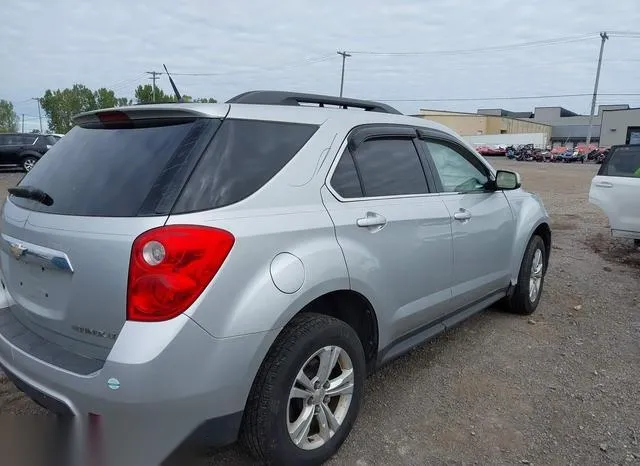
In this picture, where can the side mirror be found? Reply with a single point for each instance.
(506, 180)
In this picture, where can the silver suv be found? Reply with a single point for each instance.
(219, 271)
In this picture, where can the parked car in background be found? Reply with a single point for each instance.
(247, 264)
(24, 149)
(57, 136)
(616, 190)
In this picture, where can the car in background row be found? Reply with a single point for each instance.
(616, 190)
(24, 149)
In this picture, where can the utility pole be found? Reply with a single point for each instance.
(604, 37)
(153, 77)
(22, 123)
(344, 57)
(39, 114)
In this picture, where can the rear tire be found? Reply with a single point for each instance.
(28, 163)
(527, 293)
(273, 411)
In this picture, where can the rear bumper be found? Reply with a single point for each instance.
(162, 384)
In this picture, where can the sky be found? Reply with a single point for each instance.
(426, 52)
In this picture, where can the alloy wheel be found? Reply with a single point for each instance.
(320, 397)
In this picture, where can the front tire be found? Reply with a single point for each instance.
(307, 393)
(28, 163)
(526, 296)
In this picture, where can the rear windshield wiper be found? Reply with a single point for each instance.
(34, 194)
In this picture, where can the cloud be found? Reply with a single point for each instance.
(292, 45)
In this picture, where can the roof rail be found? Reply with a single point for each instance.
(296, 99)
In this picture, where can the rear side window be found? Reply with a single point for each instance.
(345, 177)
(390, 167)
(623, 161)
(243, 157)
(50, 140)
(108, 172)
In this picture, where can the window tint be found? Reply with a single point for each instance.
(242, 157)
(47, 139)
(11, 139)
(345, 178)
(390, 167)
(4, 140)
(456, 172)
(623, 161)
(109, 172)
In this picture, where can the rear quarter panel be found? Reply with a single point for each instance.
(286, 215)
(243, 297)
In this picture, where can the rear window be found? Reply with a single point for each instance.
(623, 161)
(243, 156)
(111, 172)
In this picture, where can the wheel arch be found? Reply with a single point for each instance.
(30, 153)
(542, 229)
(354, 309)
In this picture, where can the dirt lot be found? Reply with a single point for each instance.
(562, 387)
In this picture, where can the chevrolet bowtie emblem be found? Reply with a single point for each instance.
(17, 250)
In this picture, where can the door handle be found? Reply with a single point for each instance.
(371, 220)
(603, 184)
(462, 215)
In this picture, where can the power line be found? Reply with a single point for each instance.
(37, 99)
(271, 68)
(604, 37)
(538, 43)
(525, 97)
(153, 77)
(344, 58)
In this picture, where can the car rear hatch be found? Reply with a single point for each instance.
(68, 228)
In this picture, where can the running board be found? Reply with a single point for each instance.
(435, 328)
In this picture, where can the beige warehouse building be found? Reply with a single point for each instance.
(475, 124)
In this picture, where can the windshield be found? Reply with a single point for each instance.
(107, 172)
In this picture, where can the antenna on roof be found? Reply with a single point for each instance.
(175, 89)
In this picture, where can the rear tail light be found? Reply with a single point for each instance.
(170, 267)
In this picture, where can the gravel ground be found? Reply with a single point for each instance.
(561, 387)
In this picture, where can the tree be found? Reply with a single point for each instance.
(61, 105)
(8, 117)
(106, 98)
(144, 95)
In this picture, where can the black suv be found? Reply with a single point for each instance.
(23, 149)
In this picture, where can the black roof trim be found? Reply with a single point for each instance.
(296, 98)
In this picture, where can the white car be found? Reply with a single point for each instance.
(616, 190)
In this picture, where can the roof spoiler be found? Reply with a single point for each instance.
(297, 99)
(147, 112)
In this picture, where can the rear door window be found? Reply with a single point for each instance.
(243, 157)
(390, 167)
(110, 172)
(623, 161)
